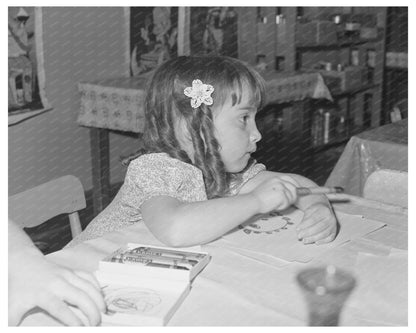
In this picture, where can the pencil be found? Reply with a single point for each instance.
(318, 190)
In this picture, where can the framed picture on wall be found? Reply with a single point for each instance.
(26, 77)
(159, 33)
(153, 37)
(213, 31)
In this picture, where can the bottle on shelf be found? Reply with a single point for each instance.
(317, 128)
(327, 127)
(340, 128)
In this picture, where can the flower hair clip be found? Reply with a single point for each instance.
(199, 93)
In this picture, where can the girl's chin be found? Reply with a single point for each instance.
(238, 167)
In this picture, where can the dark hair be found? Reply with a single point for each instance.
(166, 102)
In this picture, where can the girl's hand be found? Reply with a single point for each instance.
(319, 225)
(38, 282)
(275, 193)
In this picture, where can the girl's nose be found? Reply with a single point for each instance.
(255, 135)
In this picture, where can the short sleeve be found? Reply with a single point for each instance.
(245, 176)
(156, 174)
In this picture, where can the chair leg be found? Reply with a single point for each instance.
(42, 246)
(75, 224)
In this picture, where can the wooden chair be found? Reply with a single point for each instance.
(388, 186)
(64, 195)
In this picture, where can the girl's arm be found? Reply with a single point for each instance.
(319, 224)
(181, 224)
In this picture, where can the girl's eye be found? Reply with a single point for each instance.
(245, 119)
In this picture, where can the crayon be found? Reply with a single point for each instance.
(150, 260)
(168, 253)
(301, 191)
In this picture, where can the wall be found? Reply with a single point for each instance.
(80, 44)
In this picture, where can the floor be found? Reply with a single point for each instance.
(54, 234)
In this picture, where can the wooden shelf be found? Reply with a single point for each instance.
(16, 118)
(341, 44)
(355, 91)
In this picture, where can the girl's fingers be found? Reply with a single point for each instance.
(327, 239)
(290, 180)
(312, 215)
(315, 229)
(318, 237)
(309, 220)
(290, 191)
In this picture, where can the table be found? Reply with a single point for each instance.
(384, 147)
(239, 290)
(117, 104)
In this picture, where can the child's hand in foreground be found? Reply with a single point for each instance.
(275, 193)
(319, 225)
(41, 283)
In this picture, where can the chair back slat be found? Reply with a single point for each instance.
(30, 208)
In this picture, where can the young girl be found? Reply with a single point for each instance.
(195, 179)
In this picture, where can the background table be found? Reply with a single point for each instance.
(384, 147)
(117, 104)
(240, 290)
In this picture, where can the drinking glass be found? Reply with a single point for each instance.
(325, 289)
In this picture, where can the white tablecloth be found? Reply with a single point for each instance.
(240, 288)
(384, 147)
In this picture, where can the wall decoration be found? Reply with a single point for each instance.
(26, 77)
(159, 33)
(153, 37)
(213, 31)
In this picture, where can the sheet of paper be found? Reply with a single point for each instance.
(134, 300)
(391, 237)
(274, 234)
(382, 288)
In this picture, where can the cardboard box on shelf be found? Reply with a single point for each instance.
(315, 33)
(368, 33)
(350, 79)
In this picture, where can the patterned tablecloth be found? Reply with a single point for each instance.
(117, 103)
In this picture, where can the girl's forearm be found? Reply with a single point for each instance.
(189, 224)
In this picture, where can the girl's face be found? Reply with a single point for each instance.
(236, 131)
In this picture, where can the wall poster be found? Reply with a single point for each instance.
(159, 33)
(26, 76)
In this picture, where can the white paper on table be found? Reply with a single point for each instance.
(381, 291)
(365, 245)
(275, 234)
(391, 237)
